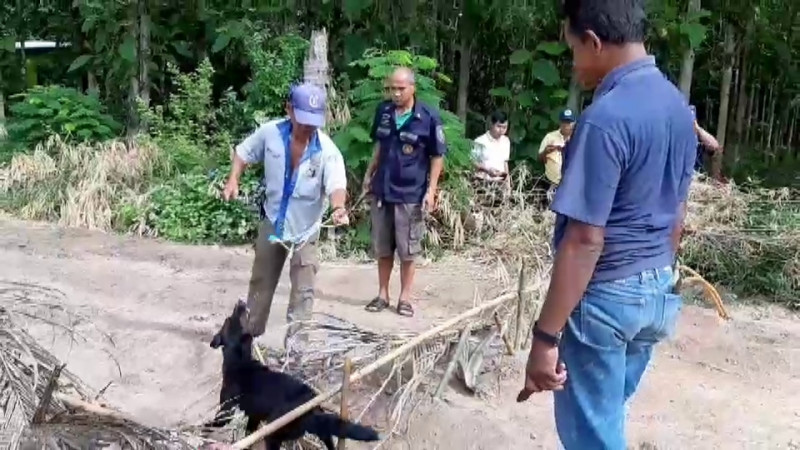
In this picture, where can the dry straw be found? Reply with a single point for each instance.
(79, 185)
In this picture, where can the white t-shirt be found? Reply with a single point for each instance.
(492, 153)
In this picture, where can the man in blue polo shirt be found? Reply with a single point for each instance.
(620, 210)
(402, 177)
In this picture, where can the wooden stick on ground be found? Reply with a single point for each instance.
(289, 417)
(343, 411)
(520, 305)
(41, 412)
(451, 366)
(91, 408)
(503, 334)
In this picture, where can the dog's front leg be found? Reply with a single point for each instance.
(328, 441)
(252, 426)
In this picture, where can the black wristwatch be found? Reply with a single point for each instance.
(545, 337)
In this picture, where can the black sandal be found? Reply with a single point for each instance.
(405, 309)
(377, 305)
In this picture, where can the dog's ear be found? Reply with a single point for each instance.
(217, 341)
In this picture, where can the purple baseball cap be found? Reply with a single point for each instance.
(308, 103)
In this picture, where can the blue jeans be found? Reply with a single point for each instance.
(606, 347)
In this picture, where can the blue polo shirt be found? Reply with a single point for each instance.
(627, 168)
(405, 152)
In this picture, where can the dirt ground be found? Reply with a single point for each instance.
(717, 385)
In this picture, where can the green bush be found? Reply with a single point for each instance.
(44, 111)
(189, 209)
(186, 127)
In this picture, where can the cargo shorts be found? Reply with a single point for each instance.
(396, 228)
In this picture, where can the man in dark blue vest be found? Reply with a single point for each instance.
(402, 177)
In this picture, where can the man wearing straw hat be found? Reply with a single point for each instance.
(620, 209)
(302, 166)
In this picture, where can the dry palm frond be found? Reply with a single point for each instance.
(34, 384)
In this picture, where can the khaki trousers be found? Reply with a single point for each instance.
(267, 267)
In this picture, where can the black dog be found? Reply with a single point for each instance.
(264, 395)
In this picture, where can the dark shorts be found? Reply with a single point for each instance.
(396, 227)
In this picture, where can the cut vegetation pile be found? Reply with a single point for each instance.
(747, 241)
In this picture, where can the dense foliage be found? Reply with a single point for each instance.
(44, 111)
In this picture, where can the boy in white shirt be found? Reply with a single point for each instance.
(492, 150)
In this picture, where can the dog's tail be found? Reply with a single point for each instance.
(327, 424)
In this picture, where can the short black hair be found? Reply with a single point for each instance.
(498, 117)
(613, 21)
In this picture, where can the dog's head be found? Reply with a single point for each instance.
(233, 331)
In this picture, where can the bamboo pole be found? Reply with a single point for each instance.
(520, 305)
(292, 415)
(451, 366)
(503, 334)
(343, 410)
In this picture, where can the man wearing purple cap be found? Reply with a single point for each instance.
(302, 166)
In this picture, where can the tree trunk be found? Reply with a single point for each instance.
(574, 99)
(734, 98)
(315, 67)
(91, 82)
(766, 96)
(316, 70)
(463, 76)
(770, 152)
(687, 67)
(133, 88)
(792, 124)
(741, 109)
(22, 35)
(2, 109)
(202, 44)
(724, 98)
(144, 53)
(751, 110)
